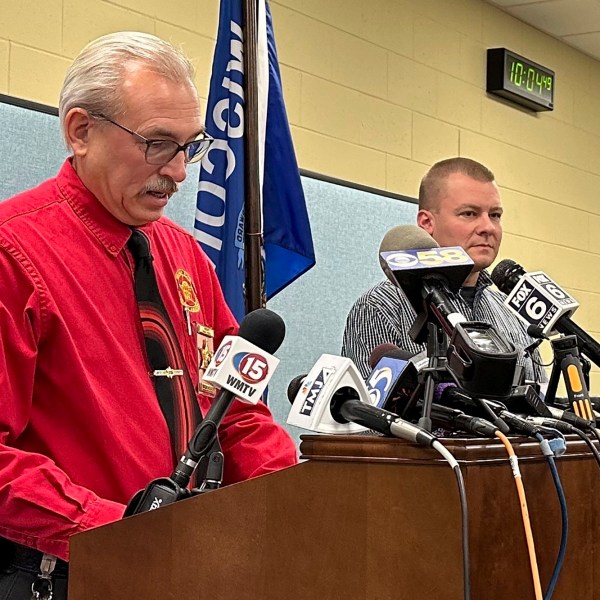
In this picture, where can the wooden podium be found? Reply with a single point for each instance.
(364, 518)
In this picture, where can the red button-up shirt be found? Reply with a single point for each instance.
(80, 426)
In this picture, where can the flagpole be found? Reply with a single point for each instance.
(253, 240)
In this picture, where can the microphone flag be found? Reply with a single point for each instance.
(219, 224)
(242, 368)
(311, 408)
(538, 301)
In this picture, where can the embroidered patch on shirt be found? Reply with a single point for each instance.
(187, 293)
(205, 348)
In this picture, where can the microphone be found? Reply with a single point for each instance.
(479, 358)
(447, 394)
(394, 376)
(539, 301)
(387, 349)
(523, 401)
(333, 398)
(522, 426)
(310, 395)
(571, 418)
(242, 366)
(427, 274)
(455, 398)
(557, 424)
(451, 418)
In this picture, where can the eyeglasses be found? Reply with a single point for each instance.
(161, 152)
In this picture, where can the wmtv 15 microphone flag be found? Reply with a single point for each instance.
(219, 223)
(242, 368)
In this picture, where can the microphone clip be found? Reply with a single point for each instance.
(158, 493)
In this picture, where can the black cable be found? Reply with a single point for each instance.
(437, 445)
(588, 442)
(465, 531)
(595, 433)
(560, 558)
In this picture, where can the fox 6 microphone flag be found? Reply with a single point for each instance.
(219, 222)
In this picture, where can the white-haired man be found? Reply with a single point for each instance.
(81, 429)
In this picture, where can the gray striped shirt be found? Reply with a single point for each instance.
(384, 314)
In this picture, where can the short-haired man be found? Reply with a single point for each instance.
(81, 429)
(459, 205)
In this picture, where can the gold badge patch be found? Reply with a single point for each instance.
(205, 348)
(187, 293)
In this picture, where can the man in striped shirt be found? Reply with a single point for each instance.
(459, 205)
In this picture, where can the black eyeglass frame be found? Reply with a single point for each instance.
(205, 139)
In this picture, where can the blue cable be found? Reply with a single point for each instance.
(564, 516)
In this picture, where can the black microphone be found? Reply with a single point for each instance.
(265, 330)
(455, 398)
(447, 394)
(497, 412)
(569, 417)
(414, 261)
(521, 425)
(540, 302)
(454, 419)
(557, 424)
(479, 358)
(346, 407)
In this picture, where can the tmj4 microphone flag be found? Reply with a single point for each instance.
(219, 223)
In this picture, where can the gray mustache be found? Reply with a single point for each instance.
(164, 185)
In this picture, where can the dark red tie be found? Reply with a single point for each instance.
(172, 383)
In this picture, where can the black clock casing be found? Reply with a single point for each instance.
(520, 80)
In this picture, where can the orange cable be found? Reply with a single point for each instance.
(514, 463)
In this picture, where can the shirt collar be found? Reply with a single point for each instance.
(108, 230)
(484, 280)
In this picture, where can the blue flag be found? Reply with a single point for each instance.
(219, 223)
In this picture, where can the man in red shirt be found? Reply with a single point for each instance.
(81, 429)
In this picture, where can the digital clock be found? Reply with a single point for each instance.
(520, 79)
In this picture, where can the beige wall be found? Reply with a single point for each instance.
(376, 91)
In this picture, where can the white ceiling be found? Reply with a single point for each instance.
(575, 22)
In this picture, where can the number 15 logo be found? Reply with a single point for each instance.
(252, 367)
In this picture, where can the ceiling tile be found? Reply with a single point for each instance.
(505, 3)
(574, 22)
(586, 42)
(560, 17)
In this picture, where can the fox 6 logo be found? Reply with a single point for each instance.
(252, 367)
(530, 303)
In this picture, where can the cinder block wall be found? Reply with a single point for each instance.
(376, 91)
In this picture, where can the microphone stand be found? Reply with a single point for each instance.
(212, 465)
(204, 448)
(437, 344)
(568, 363)
(437, 350)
